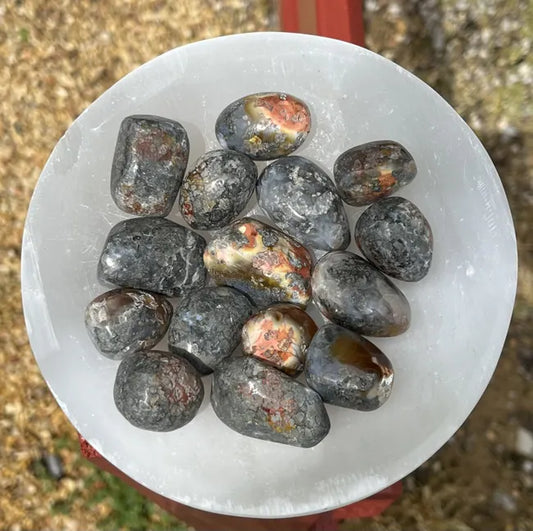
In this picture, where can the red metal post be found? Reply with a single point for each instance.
(338, 19)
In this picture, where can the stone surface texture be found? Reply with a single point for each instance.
(207, 324)
(373, 170)
(261, 261)
(264, 126)
(279, 336)
(259, 401)
(354, 294)
(347, 370)
(157, 391)
(303, 201)
(154, 254)
(217, 189)
(150, 159)
(395, 236)
(126, 320)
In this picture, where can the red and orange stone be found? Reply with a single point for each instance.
(261, 261)
(264, 126)
(279, 336)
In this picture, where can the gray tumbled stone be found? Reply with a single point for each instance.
(396, 237)
(150, 159)
(303, 201)
(259, 401)
(157, 391)
(125, 320)
(216, 190)
(154, 254)
(206, 327)
(347, 370)
(352, 293)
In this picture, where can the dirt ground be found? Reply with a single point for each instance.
(57, 57)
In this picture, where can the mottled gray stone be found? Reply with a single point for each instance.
(371, 171)
(217, 189)
(347, 370)
(302, 200)
(261, 261)
(396, 237)
(157, 391)
(153, 254)
(264, 126)
(206, 326)
(259, 401)
(150, 159)
(354, 294)
(125, 320)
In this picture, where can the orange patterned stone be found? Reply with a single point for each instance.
(264, 126)
(261, 261)
(279, 336)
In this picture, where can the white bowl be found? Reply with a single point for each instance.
(460, 311)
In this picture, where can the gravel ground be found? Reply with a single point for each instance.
(57, 57)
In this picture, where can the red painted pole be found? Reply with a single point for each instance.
(288, 14)
(338, 19)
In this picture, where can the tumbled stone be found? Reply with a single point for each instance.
(207, 324)
(303, 201)
(150, 159)
(347, 370)
(279, 336)
(125, 320)
(396, 237)
(259, 401)
(371, 171)
(157, 391)
(264, 126)
(217, 189)
(354, 294)
(153, 254)
(261, 261)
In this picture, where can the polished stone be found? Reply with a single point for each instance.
(347, 370)
(279, 336)
(371, 171)
(126, 320)
(302, 200)
(154, 254)
(264, 126)
(217, 189)
(396, 237)
(352, 293)
(261, 261)
(150, 159)
(157, 391)
(259, 401)
(207, 324)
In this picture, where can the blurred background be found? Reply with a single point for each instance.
(57, 56)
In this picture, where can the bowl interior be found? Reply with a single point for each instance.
(460, 311)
